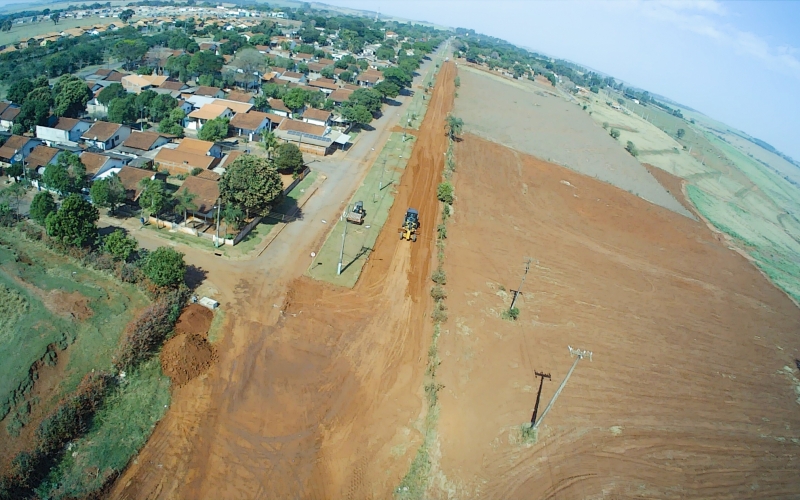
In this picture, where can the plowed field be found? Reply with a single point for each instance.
(692, 390)
(317, 390)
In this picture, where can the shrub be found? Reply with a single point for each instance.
(196, 171)
(442, 230)
(119, 245)
(615, 133)
(439, 314)
(144, 335)
(439, 277)
(511, 314)
(438, 293)
(605, 125)
(165, 267)
(445, 193)
(631, 148)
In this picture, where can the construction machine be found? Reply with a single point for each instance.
(408, 231)
(356, 216)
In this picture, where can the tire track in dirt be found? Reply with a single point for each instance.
(309, 399)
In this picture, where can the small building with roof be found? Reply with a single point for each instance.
(311, 138)
(106, 135)
(65, 131)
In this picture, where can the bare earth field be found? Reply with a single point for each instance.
(317, 391)
(692, 391)
(519, 115)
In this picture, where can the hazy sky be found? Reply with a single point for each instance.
(737, 62)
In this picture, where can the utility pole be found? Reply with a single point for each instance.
(579, 355)
(519, 291)
(219, 209)
(344, 234)
(541, 376)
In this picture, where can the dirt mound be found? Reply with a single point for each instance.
(72, 304)
(194, 319)
(186, 356)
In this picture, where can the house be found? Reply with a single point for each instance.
(210, 92)
(227, 161)
(110, 75)
(182, 162)
(301, 57)
(172, 85)
(196, 146)
(369, 78)
(66, 131)
(97, 164)
(234, 106)
(8, 112)
(311, 138)
(250, 123)
(17, 145)
(136, 83)
(324, 84)
(206, 194)
(144, 141)
(105, 135)
(279, 108)
(294, 77)
(245, 97)
(40, 157)
(340, 96)
(317, 117)
(199, 117)
(131, 179)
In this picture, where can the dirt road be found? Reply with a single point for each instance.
(317, 389)
(692, 390)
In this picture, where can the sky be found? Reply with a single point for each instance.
(737, 62)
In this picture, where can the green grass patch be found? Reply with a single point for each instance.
(377, 192)
(119, 430)
(33, 275)
(25, 31)
(215, 329)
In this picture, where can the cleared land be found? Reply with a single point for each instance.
(317, 392)
(692, 391)
(520, 115)
(757, 204)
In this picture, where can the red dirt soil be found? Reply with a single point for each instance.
(691, 392)
(673, 184)
(194, 319)
(317, 391)
(185, 356)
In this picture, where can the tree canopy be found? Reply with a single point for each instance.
(120, 246)
(251, 183)
(42, 205)
(108, 193)
(165, 267)
(289, 158)
(71, 95)
(214, 130)
(110, 93)
(74, 223)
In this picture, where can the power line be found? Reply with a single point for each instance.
(579, 355)
(519, 291)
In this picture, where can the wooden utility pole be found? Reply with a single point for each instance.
(579, 355)
(541, 376)
(344, 235)
(519, 291)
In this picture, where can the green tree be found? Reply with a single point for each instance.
(385, 53)
(357, 113)
(110, 93)
(289, 158)
(119, 245)
(130, 51)
(125, 15)
(214, 130)
(123, 109)
(387, 89)
(154, 196)
(205, 63)
(454, 126)
(41, 94)
(252, 184)
(108, 193)
(55, 16)
(165, 267)
(233, 217)
(33, 113)
(74, 223)
(346, 76)
(269, 141)
(71, 98)
(6, 25)
(296, 98)
(369, 98)
(444, 193)
(614, 133)
(397, 76)
(631, 148)
(57, 178)
(42, 205)
(15, 171)
(161, 106)
(173, 123)
(680, 133)
(184, 202)
(12, 195)
(19, 90)
(327, 73)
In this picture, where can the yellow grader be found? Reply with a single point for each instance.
(408, 231)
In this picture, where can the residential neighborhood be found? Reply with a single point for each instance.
(185, 90)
